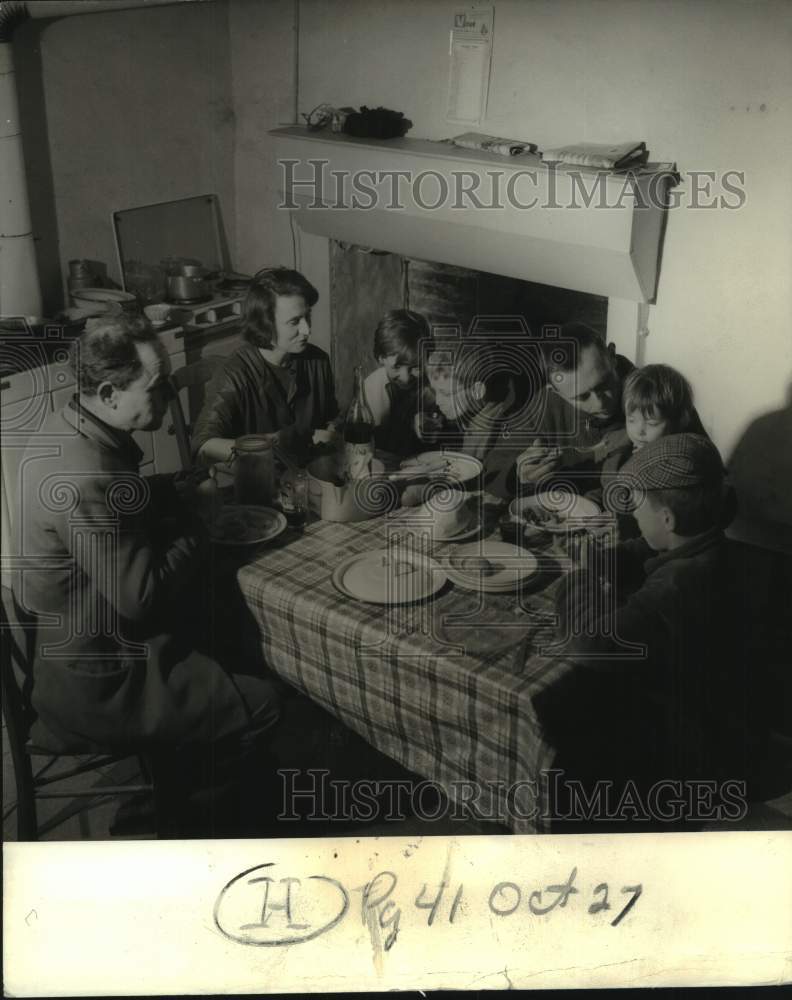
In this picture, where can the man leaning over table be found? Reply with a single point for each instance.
(118, 664)
(582, 420)
(582, 428)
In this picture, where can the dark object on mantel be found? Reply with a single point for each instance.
(379, 123)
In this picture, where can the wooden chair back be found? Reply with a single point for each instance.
(190, 378)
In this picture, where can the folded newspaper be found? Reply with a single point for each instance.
(599, 155)
(493, 144)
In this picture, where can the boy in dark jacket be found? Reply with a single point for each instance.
(653, 629)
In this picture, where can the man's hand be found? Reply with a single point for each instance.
(428, 425)
(201, 494)
(536, 462)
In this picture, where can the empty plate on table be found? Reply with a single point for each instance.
(246, 525)
(491, 566)
(550, 511)
(388, 576)
(439, 464)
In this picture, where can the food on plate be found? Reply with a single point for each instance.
(412, 496)
(544, 518)
(400, 567)
(427, 464)
(232, 526)
(428, 467)
(478, 564)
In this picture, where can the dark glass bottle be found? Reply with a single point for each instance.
(358, 433)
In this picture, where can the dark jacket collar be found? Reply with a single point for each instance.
(269, 374)
(700, 543)
(92, 427)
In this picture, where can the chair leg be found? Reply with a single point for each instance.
(149, 772)
(27, 820)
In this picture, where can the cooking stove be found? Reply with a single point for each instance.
(219, 309)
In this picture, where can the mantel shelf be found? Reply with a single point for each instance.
(548, 233)
(435, 148)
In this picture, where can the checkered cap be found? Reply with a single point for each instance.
(674, 462)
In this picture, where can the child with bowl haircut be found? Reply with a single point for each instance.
(392, 388)
(657, 401)
(652, 629)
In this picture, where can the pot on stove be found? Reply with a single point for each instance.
(189, 284)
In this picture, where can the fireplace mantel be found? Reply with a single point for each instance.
(609, 247)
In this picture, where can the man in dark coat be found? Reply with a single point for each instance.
(115, 559)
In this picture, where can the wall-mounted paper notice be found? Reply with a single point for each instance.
(470, 57)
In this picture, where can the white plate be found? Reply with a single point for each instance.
(416, 525)
(567, 505)
(388, 576)
(474, 528)
(443, 464)
(520, 565)
(246, 525)
(103, 295)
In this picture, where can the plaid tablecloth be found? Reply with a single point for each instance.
(445, 686)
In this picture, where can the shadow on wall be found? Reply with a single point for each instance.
(38, 163)
(761, 470)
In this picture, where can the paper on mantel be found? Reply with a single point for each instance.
(470, 57)
(493, 144)
(599, 155)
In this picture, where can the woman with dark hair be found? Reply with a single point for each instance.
(276, 381)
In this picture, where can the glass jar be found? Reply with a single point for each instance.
(254, 469)
(294, 497)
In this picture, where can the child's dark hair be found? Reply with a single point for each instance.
(399, 333)
(696, 509)
(660, 391)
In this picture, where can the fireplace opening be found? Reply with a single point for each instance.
(456, 301)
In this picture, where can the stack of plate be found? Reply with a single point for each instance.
(491, 567)
(86, 297)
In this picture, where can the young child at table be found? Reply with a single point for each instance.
(657, 401)
(653, 629)
(392, 388)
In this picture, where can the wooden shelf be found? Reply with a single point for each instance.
(549, 232)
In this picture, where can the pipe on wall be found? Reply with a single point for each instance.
(20, 288)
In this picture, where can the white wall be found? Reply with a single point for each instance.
(707, 84)
(133, 107)
(262, 71)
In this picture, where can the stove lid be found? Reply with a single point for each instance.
(190, 228)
